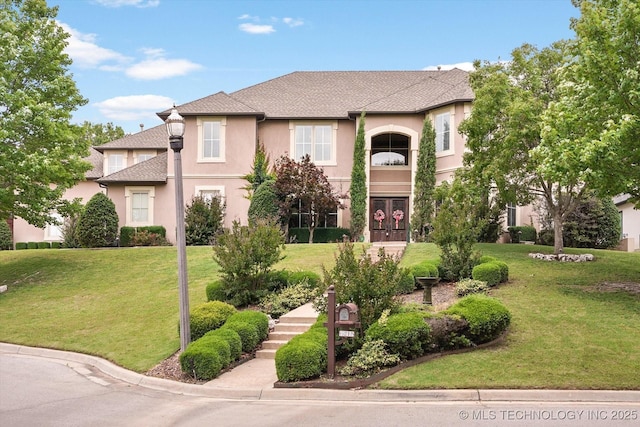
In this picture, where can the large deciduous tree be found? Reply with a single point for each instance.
(358, 189)
(303, 185)
(98, 133)
(593, 130)
(423, 202)
(505, 128)
(41, 154)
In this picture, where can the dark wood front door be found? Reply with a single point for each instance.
(388, 219)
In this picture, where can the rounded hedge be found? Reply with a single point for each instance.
(300, 359)
(259, 320)
(313, 279)
(504, 271)
(209, 316)
(487, 317)
(220, 345)
(200, 361)
(247, 332)
(232, 337)
(406, 334)
(486, 258)
(215, 291)
(424, 269)
(489, 272)
(407, 283)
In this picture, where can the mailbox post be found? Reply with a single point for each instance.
(331, 330)
(345, 319)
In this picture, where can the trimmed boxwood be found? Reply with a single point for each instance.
(424, 269)
(44, 245)
(247, 332)
(300, 360)
(209, 316)
(220, 345)
(487, 317)
(215, 291)
(504, 271)
(489, 272)
(56, 245)
(406, 334)
(486, 258)
(312, 278)
(407, 282)
(320, 235)
(232, 337)
(21, 245)
(32, 245)
(259, 320)
(522, 233)
(200, 361)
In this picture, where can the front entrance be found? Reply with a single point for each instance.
(388, 219)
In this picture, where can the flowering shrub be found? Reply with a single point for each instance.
(371, 358)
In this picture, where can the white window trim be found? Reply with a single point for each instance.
(49, 235)
(125, 160)
(199, 189)
(128, 191)
(223, 124)
(334, 137)
(452, 129)
(142, 152)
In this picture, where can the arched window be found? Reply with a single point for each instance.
(390, 149)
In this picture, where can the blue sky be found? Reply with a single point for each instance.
(133, 58)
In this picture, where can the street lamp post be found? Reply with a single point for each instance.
(175, 128)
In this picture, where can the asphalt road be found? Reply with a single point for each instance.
(38, 391)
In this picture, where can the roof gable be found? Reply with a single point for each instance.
(152, 170)
(155, 138)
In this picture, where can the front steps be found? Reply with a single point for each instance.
(291, 324)
(395, 249)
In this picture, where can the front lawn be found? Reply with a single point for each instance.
(122, 304)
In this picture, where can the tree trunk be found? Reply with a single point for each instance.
(311, 234)
(558, 244)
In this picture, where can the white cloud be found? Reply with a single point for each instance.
(84, 51)
(466, 66)
(136, 3)
(293, 22)
(135, 107)
(156, 67)
(246, 16)
(256, 29)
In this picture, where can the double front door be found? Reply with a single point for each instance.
(388, 219)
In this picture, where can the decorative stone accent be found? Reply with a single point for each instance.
(563, 257)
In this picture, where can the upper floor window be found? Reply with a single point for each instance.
(141, 156)
(211, 137)
(317, 140)
(115, 162)
(390, 149)
(443, 132)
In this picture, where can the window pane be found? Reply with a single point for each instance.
(303, 141)
(443, 132)
(116, 163)
(143, 157)
(322, 143)
(211, 140)
(139, 207)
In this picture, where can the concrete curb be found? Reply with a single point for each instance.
(472, 395)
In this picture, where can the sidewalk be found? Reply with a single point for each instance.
(255, 382)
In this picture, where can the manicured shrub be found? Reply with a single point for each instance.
(247, 333)
(504, 271)
(147, 238)
(258, 320)
(98, 223)
(278, 303)
(447, 331)
(489, 272)
(522, 233)
(220, 345)
(424, 269)
(56, 245)
(470, 286)
(203, 220)
(44, 245)
(209, 316)
(310, 278)
(370, 359)
(215, 291)
(6, 240)
(407, 283)
(232, 337)
(264, 202)
(487, 317)
(276, 280)
(21, 245)
(300, 360)
(32, 245)
(320, 235)
(200, 361)
(486, 258)
(151, 235)
(405, 334)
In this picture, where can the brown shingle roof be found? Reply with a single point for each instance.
(151, 139)
(336, 94)
(152, 170)
(96, 159)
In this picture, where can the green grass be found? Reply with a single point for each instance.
(563, 334)
(122, 304)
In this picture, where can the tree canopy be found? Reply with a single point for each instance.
(593, 129)
(98, 133)
(504, 130)
(40, 153)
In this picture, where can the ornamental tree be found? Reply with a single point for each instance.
(41, 153)
(505, 128)
(98, 223)
(303, 185)
(425, 182)
(358, 190)
(592, 131)
(259, 171)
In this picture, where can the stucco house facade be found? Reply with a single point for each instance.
(314, 113)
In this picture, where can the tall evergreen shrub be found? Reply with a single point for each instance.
(98, 223)
(358, 190)
(423, 201)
